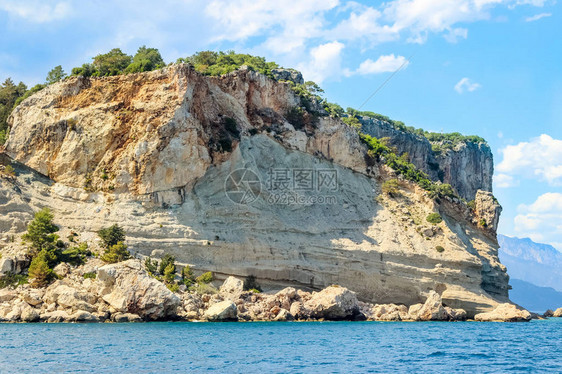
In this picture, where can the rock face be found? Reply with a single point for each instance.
(504, 313)
(557, 313)
(488, 210)
(161, 153)
(468, 167)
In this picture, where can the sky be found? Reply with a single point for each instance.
(480, 67)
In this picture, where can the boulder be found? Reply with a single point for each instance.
(33, 296)
(299, 311)
(432, 309)
(222, 311)
(333, 303)
(62, 269)
(128, 288)
(29, 314)
(69, 297)
(6, 265)
(413, 310)
(83, 316)
(7, 295)
(456, 314)
(505, 313)
(549, 313)
(232, 285)
(126, 317)
(284, 315)
(557, 313)
(55, 316)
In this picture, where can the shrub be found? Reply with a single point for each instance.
(173, 287)
(352, 122)
(3, 136)
(151, 265)
(111, 236)
(170, 273)
(471, 204)
(91, 275)
(204, 289)
(187, 276)
(250, 283)
(39, 271)
(219, 63)
(483, 223)
(391, 187)
(434, 218)
(10, 171)
(116, 253)
(439, 249)
(12, 280)
(76, 255)
(334, 110)
(205, 278)
(40, 231)
(167, 259)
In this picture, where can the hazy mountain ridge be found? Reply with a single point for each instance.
(536, 263)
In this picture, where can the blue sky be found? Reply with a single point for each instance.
(485, 67)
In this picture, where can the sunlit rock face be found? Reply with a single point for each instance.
(217, 172)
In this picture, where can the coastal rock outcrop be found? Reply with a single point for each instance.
(162, 154)
(222, 311)
(333, 303)
(557, 313)
(128, 288)
(505, 313)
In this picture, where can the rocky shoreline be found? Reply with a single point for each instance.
(125, 292)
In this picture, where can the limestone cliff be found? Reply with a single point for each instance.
(467, 166)
(227, 175)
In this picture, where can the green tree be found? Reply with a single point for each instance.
(150, 265)
(112, 235)
(41, 231)
(116, 253)
(146, 59)
(55, 75)
(187, 276)
(112, 63)
(250, 283)
(9, 93)
(170, 273)
(166, 260)
(39, 271)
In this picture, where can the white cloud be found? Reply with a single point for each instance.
(540, 158)
(36, 11)
(286, 24)
(504, 181)
(384, 64)
(541, 220)
(537, 17)
(455, 34)
(325, 60)
(466, 84)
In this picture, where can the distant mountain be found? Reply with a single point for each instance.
(539, 264)
(534, 298)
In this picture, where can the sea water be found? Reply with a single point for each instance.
(297, 347)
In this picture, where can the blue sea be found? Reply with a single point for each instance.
(316, 347)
